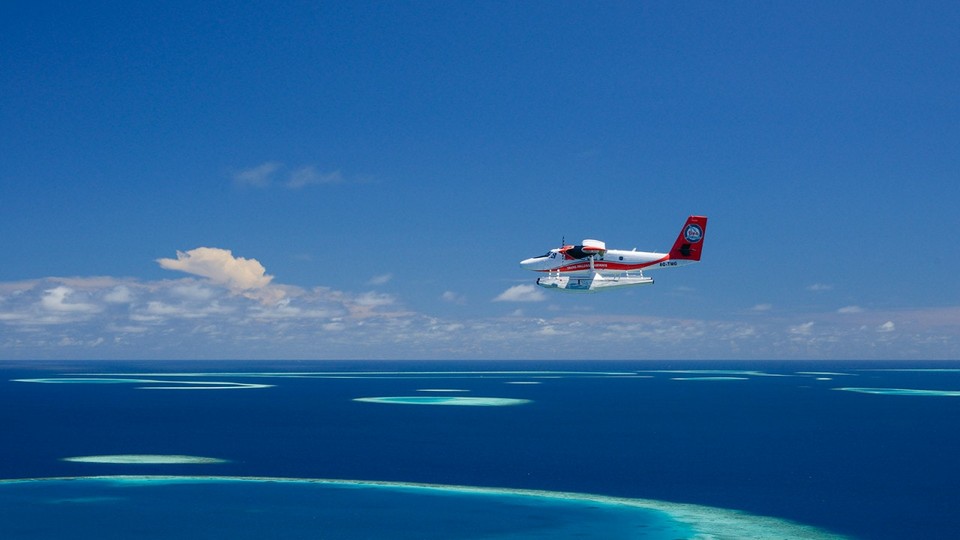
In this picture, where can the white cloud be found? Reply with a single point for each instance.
(453, 298)
(12, 316)
(120, 294)
(762, 307)
(741, 332)
(66, 341)
(335, 326)
(127, 329)
(819, 287)
(369, 304)
(192, 290)
(56, 299)
(308, 175)
(372, 299)
(266, 175)
(846, 310)
(325, 323)
(804, 329)
(284, 310)
(259, 176)
(221, 267)
(158, 310)
(380, 280)
(521, 293)
(549, 331)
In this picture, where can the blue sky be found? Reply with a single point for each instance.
(365, 178)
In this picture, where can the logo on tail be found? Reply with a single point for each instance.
(693, 233)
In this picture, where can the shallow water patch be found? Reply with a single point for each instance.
(145, 459)
(445, 400)
(902, 391)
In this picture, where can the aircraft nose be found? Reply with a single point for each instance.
(532, 263)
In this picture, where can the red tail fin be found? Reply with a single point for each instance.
(689, 244)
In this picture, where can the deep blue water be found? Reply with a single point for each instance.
(794, 447)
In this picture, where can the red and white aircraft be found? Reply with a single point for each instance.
(590, 266)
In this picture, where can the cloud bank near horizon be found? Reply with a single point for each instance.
(230, 307)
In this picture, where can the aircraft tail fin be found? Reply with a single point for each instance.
(689, 244)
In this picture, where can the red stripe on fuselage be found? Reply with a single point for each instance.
(604, 265)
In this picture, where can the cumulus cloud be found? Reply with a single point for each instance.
(521, 293)
(846, 310)
(57, 299)
(819, 287)
(762, 307)
(887, 327)
(238, 274)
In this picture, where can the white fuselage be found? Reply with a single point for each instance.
(607, 263)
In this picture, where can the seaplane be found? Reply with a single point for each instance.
(591, 267)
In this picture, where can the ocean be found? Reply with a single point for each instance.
(481, 450)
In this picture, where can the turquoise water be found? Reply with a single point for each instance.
(144, 508)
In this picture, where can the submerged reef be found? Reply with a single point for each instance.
(380, 509)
